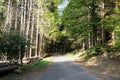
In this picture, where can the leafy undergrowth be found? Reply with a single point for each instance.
(29, 70)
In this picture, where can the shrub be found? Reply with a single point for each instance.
(116, 48)
(13, 44)
(94, 51)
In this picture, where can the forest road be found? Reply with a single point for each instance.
(64, 68)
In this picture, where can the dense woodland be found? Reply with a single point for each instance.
(32, 28)
(25, 26)
(93, 26)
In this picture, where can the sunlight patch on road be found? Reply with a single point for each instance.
(61, 59)
(62, 79)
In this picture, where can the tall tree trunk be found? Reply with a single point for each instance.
(41, 44)
(10, 16)
(21, 15)
(83, 45)
(31, 35)
(28, 23)
(94, 27)
(7, 16)
(16, 16)
(24, 16)
(37, 32)
(102, 16)
(21, 30)
(29, 16)
(89, 40)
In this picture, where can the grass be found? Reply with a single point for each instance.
(40, 63)
(29, 70)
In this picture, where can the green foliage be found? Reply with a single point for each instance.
(52, 7)
(40, 63)
(110, 22)
(94, 23)
(74, 18)
(94, 51)
(76, 44)
(13, 44)
(116, 48)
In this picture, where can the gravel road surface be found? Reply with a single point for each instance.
(64, 68)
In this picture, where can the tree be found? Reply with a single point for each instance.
(76, 21)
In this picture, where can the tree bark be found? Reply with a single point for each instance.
(37, 33)
(102, 16)
(28, 23)
(16, 16)
(31, 35)
(7, 16)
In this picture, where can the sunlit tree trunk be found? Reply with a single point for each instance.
(41, 28)
(37, 33)
(7, 15)
(21, 15)
(89, 40)
(83, 45)
(29, 16)
(10, 15)
(24, 16)
(16, 16)
(31, 35)
(29, 5)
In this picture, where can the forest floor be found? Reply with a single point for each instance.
(29, 70)
(108, 69)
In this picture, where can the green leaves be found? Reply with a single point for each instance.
(74, 17)
(13, 44)
(96, 50)
(52, 7)
(111, 21)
